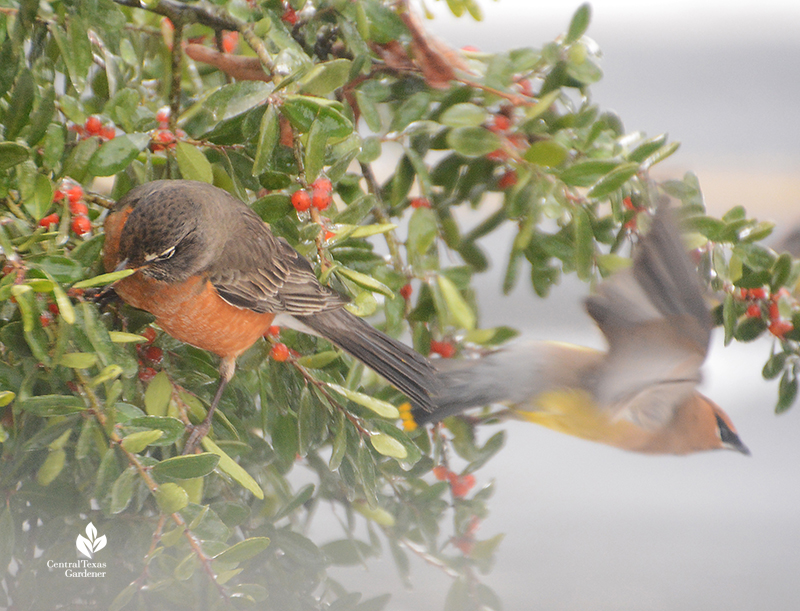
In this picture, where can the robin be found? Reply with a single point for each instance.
(641, 394)
(214, 276)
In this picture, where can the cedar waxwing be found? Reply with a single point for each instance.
(640, 395)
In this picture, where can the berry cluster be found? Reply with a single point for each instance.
(73, 193)
(149, 355)
(319, 198)
(94, 126)
(460, 485)
(759, 299)
(163, 138)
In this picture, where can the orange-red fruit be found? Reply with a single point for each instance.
(146, 374)
(274, 331)
(320, 199)
(497, 155)
(162, 116)
(779, 328)
(149, 334)
(757, 293)
(405, 291)
(301, 200)
(50, 219)
(53, 309)
(420, 202)
(279, 352)
(78, 208)
(509, 179)
(74, 194)
(81, 225)
(154, 354)
(45, 318)
(108, 132)
(754, 311)
(93, 125)
(774, 312)
(462, 484)
(289, 16)
(230, 41)
(443, 349)
(525, 87)
(500, 123)
(322, 184)
(57, 195)
(441, 472)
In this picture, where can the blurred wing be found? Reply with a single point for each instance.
(657, 326)
(265, 274)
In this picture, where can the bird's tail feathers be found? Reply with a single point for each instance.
(405, 369)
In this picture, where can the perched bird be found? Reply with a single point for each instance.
(214, 276)
(641, 394)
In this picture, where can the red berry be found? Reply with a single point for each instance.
(330, 234)
(500, 123)
(779, 328)
(462, 484)
(149, 334)
(108, 132)
(78, 208)
(279, 352)
(757, 293)
(774, 311)
(754, 311)
(45, 318)
(444, 349)
(420, 202)
(525, 87)
(497, 155)
(93, 125)
(58, 194)
(81, 225)
(320, 199)
(289, 16)
(274, 331)
(230, 41)
(301, 200)
(50, 219)
(509, 179)
(74, 194)
(146, 374)
(405, 291)
(53, 309)
(322, 184)
(162, 116)
(154, 354)
(441, 473)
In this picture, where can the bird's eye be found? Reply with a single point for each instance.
(166, 254)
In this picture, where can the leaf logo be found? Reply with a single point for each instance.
(91, 543)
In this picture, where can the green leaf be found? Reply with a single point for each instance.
(382, 408)
(19, 109)
(304, 495)
(473, 141)
(243, 550)
(579, 23)
(192, 163)
(464, 114)
(11, 154)
(51, 467)
(268, 136)
(104, 279)
(136, 442)
(422, 231)
(78, 360)
(6, 397)
(326, 77)
(787, 392)
(158, 395)
(302, 111)
(120, 337)
(228, 465)
(51, 405)
(365, 281)
(315, 150)
(584, 243)
(586, 173)
(186, 467)
(171, 498)
(388, 446)
(613, 180)
(546, 153)
(117, 154)
(122, 490)
(774, 366)
(172, 428)
(457, 310)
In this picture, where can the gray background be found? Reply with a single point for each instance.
(591, 527)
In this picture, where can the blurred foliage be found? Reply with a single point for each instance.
(94, 399)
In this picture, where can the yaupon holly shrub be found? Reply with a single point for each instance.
(267, 99)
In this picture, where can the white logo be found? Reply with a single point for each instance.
(90, 544)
